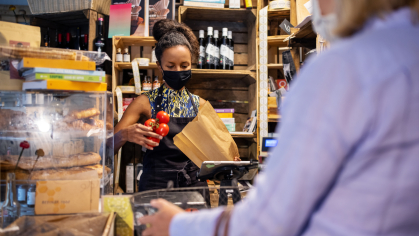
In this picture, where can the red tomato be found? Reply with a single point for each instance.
(162, 129)
(151, 123)
(154, 140)
(162, 117)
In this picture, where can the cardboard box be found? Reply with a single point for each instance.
(57, 6)
(67, 196)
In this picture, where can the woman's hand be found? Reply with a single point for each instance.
(237, 159)
(138, 133)
(159, 223)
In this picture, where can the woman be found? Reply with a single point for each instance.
(164, 162)
(347, 161)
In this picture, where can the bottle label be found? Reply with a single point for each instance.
(217, 55)
(223, 50)
(127, 58)
(21, 194)
(201, 51)
(153, 56)
(31, 198)
(119, 57)
(210, 51)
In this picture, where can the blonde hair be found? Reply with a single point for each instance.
(353, 14)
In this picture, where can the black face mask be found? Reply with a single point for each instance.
(176, 79)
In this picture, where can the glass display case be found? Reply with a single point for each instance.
(69, 135)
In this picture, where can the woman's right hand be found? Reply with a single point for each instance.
(138, 133)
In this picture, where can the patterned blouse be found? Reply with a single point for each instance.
(176, 103)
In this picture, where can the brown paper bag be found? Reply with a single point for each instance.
(206, 138)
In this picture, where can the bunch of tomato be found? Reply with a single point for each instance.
(159, 125)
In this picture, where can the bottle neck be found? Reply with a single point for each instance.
(85, 38)
(100, 30)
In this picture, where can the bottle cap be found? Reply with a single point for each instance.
(201, 34)
(119, 50)
(126, 50)
(225, 32)
(209, 30)
(215, 33)
(229, 34)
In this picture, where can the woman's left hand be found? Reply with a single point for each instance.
(159, 223)
(237, 159)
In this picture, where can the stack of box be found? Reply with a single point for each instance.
(226, 116)
(54, 74)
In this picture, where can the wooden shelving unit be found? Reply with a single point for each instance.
(229, 88)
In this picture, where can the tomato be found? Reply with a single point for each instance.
(154, 140)
(162, 117)
(151, 123)
(162, 129)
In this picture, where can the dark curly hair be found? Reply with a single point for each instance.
(169, 33)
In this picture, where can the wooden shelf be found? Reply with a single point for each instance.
(248, 76)
(251, 135)
(278, 40)
(215, 14)
(127, 65)
(273, 120)
(275, 66)
(281, 13)
(125, 41)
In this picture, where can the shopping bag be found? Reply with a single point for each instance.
(206, 138)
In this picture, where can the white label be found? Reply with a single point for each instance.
(130, 179)
(31, 198)
(201, 51)
(118, 57)
(224, 51)
(21, 194)
(127, 58)
(217, 52)
(210, 50)
(234, 4)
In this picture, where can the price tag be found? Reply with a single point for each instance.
(286, 26)
(137, 81)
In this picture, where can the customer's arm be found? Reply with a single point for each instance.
(318, 133)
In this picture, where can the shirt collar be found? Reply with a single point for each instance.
(172, 92)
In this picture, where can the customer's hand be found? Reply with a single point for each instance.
(159, 223)
(138, 133)
(237, 159)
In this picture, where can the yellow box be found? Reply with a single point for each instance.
(67, 196)
(225, 115)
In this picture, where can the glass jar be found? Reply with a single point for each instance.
(31, 196)
(21, 194)
(10, 210)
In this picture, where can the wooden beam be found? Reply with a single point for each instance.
(92, 28)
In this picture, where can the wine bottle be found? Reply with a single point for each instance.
(67, 41)
(85, 44)
(217, 50)
(209, 50)
(60, 41)
(99, 42)
(224, 51)
(201, 58)
(77, 43)
(46, 39)
(231, 49)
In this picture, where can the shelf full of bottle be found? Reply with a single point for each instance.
(75, 38)
(216, 52)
